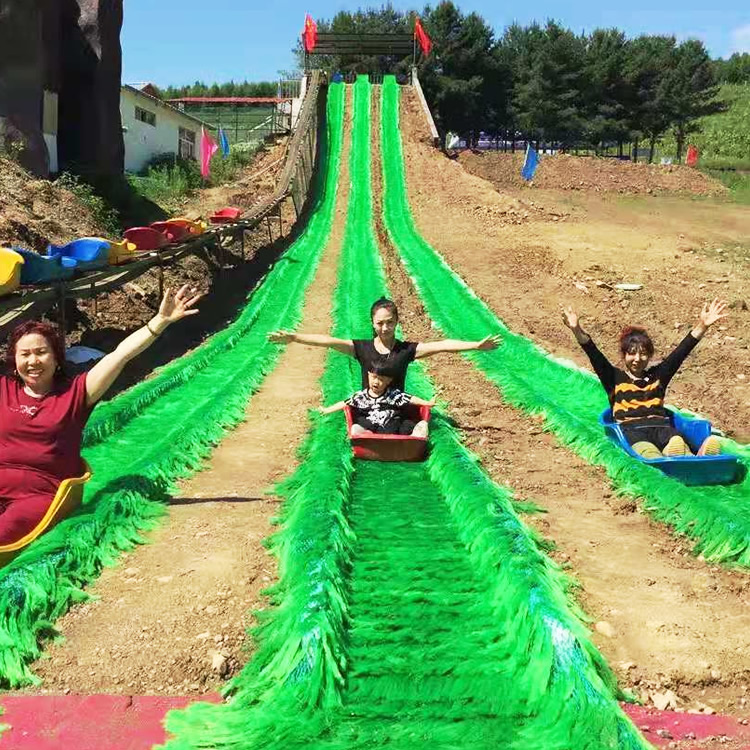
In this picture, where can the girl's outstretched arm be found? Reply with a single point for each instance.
(421, 402)
(427, 349)
(346, 346)
(338, 406)
(602, 366)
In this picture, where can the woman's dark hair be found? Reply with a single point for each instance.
(635, 337)
(382, 368)
(385, 304)
(50, 332)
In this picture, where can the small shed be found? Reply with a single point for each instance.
(151, 127)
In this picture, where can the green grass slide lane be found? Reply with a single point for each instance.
(142, 441)
(717, 519)
(395, 622)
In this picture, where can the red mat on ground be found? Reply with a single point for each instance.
(87, 722)
(689, 731)
(120, 722)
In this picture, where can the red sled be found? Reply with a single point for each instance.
(373, 446)
(173, 232)
(145, 238)
(225, 215)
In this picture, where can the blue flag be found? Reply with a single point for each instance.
(530, 163)
(223, 143)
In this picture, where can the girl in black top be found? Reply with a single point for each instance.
(385, 348)
(637, 392)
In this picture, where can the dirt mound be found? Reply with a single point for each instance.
(35, 212)
(487, 207)
(566, 172)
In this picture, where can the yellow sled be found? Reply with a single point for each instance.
(121, 252)
(10, 270)
(67, 498)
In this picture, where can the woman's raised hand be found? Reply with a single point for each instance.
(713, 311)
(180, 306)
(570, 317)
(488, 343)
(281, 337)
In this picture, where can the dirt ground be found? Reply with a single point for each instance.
(185, 599)
(670, 622)
(605, 175)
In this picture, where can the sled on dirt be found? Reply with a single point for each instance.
(372, 446)
(690, 470)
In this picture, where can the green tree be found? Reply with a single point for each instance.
(547, 93)
(734, 70)
(691, 90)
(647, 67)
(606, 93)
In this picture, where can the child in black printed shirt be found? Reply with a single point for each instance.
(636, 393)
(378, 408)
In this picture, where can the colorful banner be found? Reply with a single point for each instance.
(530, 163)
(421, 36)
(223, 142)
(208, 149)
(310, 34)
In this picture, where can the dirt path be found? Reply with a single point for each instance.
(674, 623)
(171, 617)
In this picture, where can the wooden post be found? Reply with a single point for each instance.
(268, 226)
(161, 279)
(281, 225)
(242, 244)
(96, 298)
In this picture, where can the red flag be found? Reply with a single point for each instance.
(310, 34)
(692, 156)
(421, 36)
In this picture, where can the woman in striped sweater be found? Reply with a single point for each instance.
(636, 392)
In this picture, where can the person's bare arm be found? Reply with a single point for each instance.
(105, 371)
(428, 348)
(346, 346)
(570, 318)
(421, 402)
(338, 406)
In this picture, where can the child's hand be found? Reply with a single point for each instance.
(570, 317)
(713, 311)
(488, 343)
(281, 337)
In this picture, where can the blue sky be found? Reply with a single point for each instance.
(180, 41)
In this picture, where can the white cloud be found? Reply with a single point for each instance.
(741, 38)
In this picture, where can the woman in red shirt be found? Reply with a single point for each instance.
(43, 412)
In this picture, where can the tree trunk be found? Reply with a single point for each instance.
(680, 137)
(619, 149)
(635, 151)
(651, 149)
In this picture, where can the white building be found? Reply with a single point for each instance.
(151, 127)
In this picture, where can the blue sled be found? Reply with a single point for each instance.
(88, 253)
(42, 269)
(690, 470)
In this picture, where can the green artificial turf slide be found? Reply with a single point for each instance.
(413, 609)
(142, 441)
(717, 519)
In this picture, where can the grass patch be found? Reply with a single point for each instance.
(737, 180)
(167, 180)
(103, 213)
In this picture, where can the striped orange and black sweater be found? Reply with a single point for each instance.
(639, 402)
